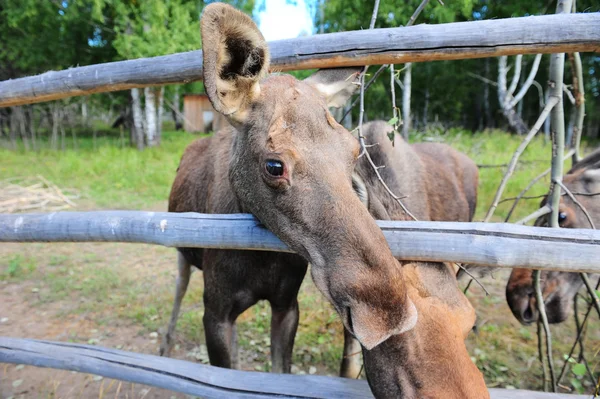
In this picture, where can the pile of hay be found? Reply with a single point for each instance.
(34, 194)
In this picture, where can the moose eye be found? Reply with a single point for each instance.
(562, 216)
(274, 167)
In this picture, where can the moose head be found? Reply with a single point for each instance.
(559, 288)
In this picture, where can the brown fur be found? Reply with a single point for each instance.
(439, 183)
(559, 288)
(313, 208)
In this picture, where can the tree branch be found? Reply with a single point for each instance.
(591, 291)
(577, 339)
(569, 94)
(531, 184)
(578, 90)
(513, 162)
(516, 76)
(540, 212)
(361, 138)
(570, 194)
(544, 317)
(528, 82)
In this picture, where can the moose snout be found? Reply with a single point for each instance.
(529, 312)
(524, 306)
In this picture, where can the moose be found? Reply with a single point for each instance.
(559, 288)
(287, 161)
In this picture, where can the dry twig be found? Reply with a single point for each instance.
(26, 194)
(541, 354)
(544, 319)
(464, 269)
(577, 339)
(540, 212)
(570, 194)
(513, 162)
(531, 184)
(361, 138)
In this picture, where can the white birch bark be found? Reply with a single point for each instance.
(150, 108)
(138, 125)
(159, 113)
(406, 100)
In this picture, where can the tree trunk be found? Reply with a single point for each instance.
(32, 131)
(176, 110)
(547, 121)
(571, 126)
(20, 120)
(489, 120)
(578, 91)
(426, 107)
(505, 97)
(63, 136)
(84, 112)
(55, 116)
(406, 100)
(515, 121)
(13, 127)
(159, 111)
(138, 125)
(150, 108)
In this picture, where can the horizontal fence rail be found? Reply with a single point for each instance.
(461, 40)
(485, 244)
(197, 379)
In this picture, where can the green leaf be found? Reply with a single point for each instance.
(598, 293)
(393, 121)
(579, 369)
(577, 385)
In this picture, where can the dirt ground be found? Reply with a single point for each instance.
(119, 296)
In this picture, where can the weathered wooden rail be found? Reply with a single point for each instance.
(462, 40)
(197, 379)
(487, 244)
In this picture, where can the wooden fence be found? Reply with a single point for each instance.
(454, 41)
(197, 379)
(486, 244)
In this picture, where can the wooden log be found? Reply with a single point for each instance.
(197, 379)
(486, 244)
(476, 39)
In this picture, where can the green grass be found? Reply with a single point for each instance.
(17, 268)
(134, 283)
(109, 176)
(496, 148)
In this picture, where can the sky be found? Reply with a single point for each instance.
(284, 19)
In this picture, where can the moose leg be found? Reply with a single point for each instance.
(235, 360)
(218, 338)
(222, 306)
(351, 358)
(183, 279)
(284, 323)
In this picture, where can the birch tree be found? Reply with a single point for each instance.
(147, 29)
(507, 98)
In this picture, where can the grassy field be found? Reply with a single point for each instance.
(120, 295)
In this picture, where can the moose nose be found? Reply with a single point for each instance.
(529, 313)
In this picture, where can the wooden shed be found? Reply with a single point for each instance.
(199, 114)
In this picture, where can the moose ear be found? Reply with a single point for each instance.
(360, 188)
(592, 180)
(235, 58)
(371, 329)
(337, 85)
